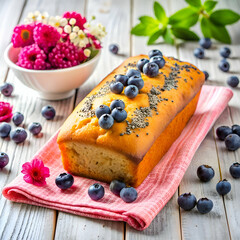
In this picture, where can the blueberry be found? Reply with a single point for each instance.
(187, 201)
(205, 43)
(96, 191)
(141, 63)
(113, 48)
(233, 81)
(133, 72)
(116, 187)
(222, 132)
(224, 65)
(137, 81)
(235, 170)
(223, 187)
(204, 205)
(225, 52)
(199, 53)
(18, 135)
(158, 60)
(102, 109)
(205, 173)
(206, 75)
(154, 52)
(122, 79)
(236, 129)
(232, 142)
(106, 121)
(5, 129)
(48, 112)
(128, 194)
(6, 89)
(119, 114)
(117, 103)
(64, 180)
(4, 159)
(116, 87)
(17, 118)
(151, 69)
(35, 128)
(131, 91)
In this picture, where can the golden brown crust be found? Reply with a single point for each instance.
(161, 99)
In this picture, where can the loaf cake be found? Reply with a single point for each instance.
(129, 150)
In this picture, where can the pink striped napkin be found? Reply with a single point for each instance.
(153, 193)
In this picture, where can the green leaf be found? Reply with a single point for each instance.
(205, 28)
(148, 20)
(159, 12)
(185, 34)
(154, 37)
(224, 17)
(184, 18)
(143, 30)
(168, 37)
(194, 3)
(209, 5)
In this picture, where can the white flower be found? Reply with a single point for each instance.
(31, 17)
(55, 21)
(72, 21)
(60, 30)
(96, 30)
(43, 17)
(75, 29)
(79, 39)
(67, 29)
(87, 52)
(63, 22)
(72, 35)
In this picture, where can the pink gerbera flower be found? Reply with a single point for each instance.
(79, 19)
(22, 35)
(35, 172)
(5, 112)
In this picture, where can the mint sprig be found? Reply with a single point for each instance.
(178, 25)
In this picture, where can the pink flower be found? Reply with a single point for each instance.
(97, 44)
(35, 172)
(5, 112)
(79, 19)
(22, 35)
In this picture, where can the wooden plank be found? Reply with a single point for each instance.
(166, 224)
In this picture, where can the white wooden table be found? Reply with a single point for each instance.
(21, 221)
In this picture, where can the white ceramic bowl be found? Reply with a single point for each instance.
(51, 84)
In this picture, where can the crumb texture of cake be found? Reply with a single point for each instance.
(129, 150)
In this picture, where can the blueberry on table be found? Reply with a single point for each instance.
(235, 170)
(187, 201)
(106, 121)
(205, 43)
(113, 48)
(158, 60)
(117, 103)
(132, 72)
(48, 112)
(122, 79)
(116, 87)
(128, 194)
(119, 114)
(96, 191)
(141, 63)
(225, 52)
(116, 186)
(64, 181)
(131, 91)
(224, 65)
(223, 187)
(232, 142)
(204, 205)
(4, 159)
(205, 173)
(17, 118)
(151, 69)
(137, 81)
(35, 128)
(5, 129)
(206, 75)
(18, 135)
(154, 52)
(102, 109)
(233, 81)
(236, 129)
(6, 89)
(199, 53)
(222, 132)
